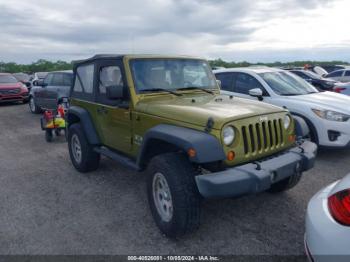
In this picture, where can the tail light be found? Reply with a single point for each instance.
(338, 89)
(339, 207)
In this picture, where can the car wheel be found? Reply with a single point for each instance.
(286, 183)
(33, 107)
(173, 195)
(48, 135)
(82, 154)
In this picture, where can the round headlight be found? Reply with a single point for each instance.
(228, 135)
(287, 121)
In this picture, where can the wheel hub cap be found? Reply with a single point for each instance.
(76, 148)
(162, 197)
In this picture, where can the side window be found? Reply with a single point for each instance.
(226, 81)
(300, 74)
(48, 79)
(57, 80)
(336, 73)
(245, 82)
(110, 76)
(85, 74)
(347, 73)
(67, 80)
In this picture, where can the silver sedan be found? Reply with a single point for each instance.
(327, 235)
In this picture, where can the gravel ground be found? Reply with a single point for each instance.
(49, 208)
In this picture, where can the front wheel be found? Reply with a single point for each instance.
(82, 154)
(286, 183)
(33, 107)
(173, 195)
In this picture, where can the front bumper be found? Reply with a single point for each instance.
(258, 176)
(14, 98)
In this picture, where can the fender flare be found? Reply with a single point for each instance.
(207, 147)
(74, 113)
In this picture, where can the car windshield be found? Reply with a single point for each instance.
(312, 75)
(286, 84)
(41, 75)
(22, 77)
(157, 75)
(7, 79)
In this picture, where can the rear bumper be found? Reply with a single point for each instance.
(258, 176)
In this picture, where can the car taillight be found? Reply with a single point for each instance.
(339, 207)
(338, 89)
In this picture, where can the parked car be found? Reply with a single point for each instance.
(12, 90)
(322, 84)
(327, 114)
(342, 75)
(24, 78)
(342, 88)
(165, 115)
(328, 223)
(332, 68)
(48, 93)
(37, 77)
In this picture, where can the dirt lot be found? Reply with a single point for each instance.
(49, 208)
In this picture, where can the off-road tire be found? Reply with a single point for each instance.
(286, 183)
(179, 174)
(33, 107)
(90, 160)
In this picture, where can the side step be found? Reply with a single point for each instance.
(123, 160)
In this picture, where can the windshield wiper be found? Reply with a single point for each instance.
(160, 89)
(291, 94)
(196, 88)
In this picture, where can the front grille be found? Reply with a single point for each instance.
(262, 136)
(10, 91)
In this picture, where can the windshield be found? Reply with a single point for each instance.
(171, 74)
(41, 75)
(312, 75)
(7, 79)
(22, 77)
(286, 84)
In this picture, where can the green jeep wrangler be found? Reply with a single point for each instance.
(165, 115)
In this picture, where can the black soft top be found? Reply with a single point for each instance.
(96, 57)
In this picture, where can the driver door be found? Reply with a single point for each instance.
(113, 115)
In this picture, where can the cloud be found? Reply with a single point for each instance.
(74, 29)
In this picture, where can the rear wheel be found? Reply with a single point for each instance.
(82, 154)
(173, 195)
(33, 107)
(48, 135)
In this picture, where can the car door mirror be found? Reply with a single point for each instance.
(114, 92)
(256, 92)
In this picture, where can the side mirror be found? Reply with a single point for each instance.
(114, 92)
(219, 83)
(256, 92)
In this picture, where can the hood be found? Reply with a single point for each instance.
(197, 109)
(326, 100)
(10, 85)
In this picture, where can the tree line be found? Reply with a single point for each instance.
(43, 65)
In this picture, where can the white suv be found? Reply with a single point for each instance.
(327, 114)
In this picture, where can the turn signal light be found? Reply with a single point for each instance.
(339, 207)
(191, 152)
(231, 156)
(291, 138)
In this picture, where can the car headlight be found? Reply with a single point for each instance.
(228, 135)
(287, 121)
(331, 115)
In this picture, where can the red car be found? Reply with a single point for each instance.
(11, 90)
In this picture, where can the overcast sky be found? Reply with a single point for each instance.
(266, 30)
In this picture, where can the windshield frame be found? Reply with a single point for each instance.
(210, 74)
(309, 90)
